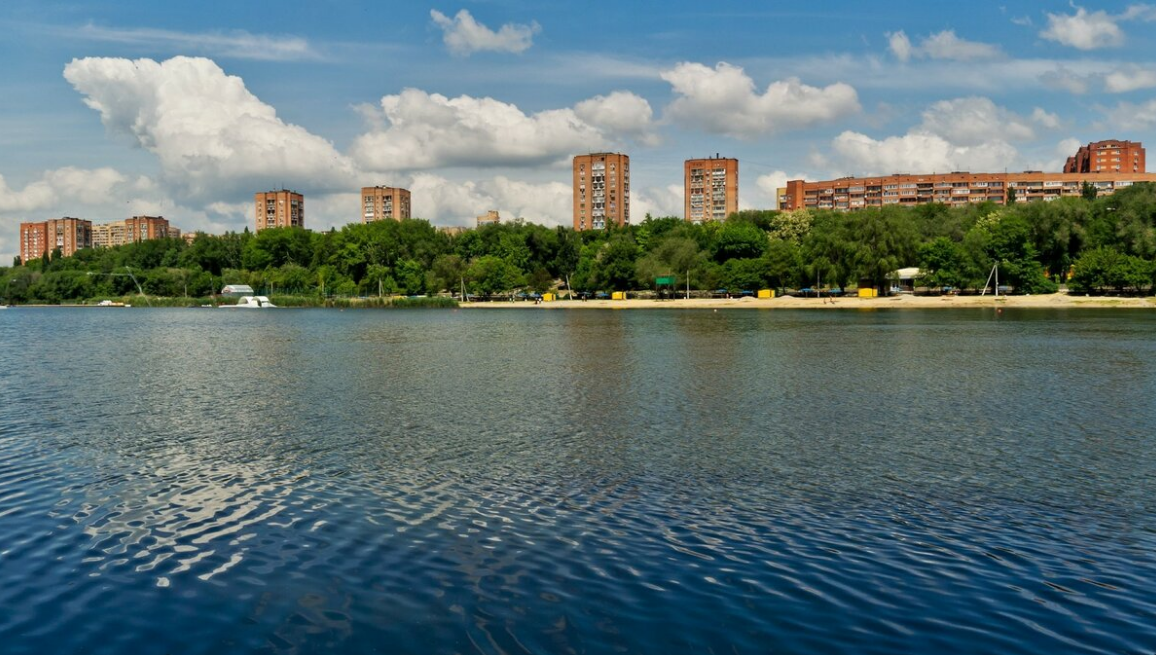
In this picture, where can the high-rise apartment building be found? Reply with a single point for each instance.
(711, 188)
(601, 190)
(67, 234)
(1110, 156)
(132, 230)
(282, 208)
(381, 202)
(852, 193)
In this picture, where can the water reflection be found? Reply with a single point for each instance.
(531, 482)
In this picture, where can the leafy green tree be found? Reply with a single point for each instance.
(410, 275)
(1107, 268)
(446, 272)
(565, 260)
(744, 274)
(490, 274)
(617, 263)
(1056, 230)
(1010, 244)
(783, 263)
(883, 243)
(764, 219)
(944, 263)
(653, 231)
(739, 240)
(540, 280)
(671, 256)
(1088, 191)
(791, 225)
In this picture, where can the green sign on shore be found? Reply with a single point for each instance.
(659, 281)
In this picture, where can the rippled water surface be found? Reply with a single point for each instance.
(195, 481)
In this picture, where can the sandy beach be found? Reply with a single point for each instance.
(906, 301)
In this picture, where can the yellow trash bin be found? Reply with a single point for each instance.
(867, 293)
(766, 293)
(618, 295)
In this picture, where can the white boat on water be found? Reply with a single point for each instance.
(251, 302)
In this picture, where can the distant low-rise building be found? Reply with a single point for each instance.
(190, 237)
(283, 208)
(67, 233)
(489, 218)
(131, 230)
(453, 230)
(381, 202)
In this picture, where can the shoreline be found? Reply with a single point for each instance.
(1045, 301)
(906, 301)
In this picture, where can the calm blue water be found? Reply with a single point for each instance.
(489, 481)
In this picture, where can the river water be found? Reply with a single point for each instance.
(589, 481)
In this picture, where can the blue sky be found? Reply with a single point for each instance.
(186, 109)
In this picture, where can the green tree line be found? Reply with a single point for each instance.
(1106, 243)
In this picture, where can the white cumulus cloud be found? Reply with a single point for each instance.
(658, 201)
(445, 202)
(59, 187)
(724, 100)
(1132, 116)
(464, 35)
(941, 45)
(1130, 79)
(768, 186)
(919, 152)
(210, 134)
(900, 45)
(419, 130)
(1091, 30)
(971, 133)
(975, 120)
(620, 112)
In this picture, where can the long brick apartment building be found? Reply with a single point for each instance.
(960, 188)
(601, 190)
(1112, 156)
(68, 234)
(710, 189)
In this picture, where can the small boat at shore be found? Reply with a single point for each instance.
(251, 302)
(112, 303)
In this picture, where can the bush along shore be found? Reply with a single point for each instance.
(1093, 245)
(372, 302)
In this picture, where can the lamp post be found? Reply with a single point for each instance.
(134, 281)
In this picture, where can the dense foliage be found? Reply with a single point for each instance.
(1104, 243)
